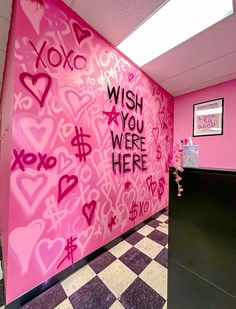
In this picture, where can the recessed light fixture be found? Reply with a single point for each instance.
(172, 24)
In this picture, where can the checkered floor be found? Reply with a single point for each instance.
(131, 274)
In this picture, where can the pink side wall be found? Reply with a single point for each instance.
(214, 151)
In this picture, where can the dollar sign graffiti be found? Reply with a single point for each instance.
(133, 213)
(158, 150)
(70, 248)
(161, 187)
(84, 149)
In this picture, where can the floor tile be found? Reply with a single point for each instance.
(49, 299)
(135, 260)
(140, 295)
(102, 261)
(154, 223)
(162, 218)
(165, 306)
(78, 279)
(149, 247)
(146, 230)
(155, 275)
(117, 277)
(162, 258)
(117, 305)
(93, 295)
(163, 229)
(134, 238)
(120, 249)
(159, 237)
(66, 304)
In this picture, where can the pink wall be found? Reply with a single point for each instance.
(89, 144)
(214, 151)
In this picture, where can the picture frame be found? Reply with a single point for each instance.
(208, 118)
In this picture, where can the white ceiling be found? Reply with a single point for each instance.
(206, 59)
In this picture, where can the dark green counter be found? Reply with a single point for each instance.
(202, 240)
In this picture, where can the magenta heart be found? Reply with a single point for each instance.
(70, 182)
(31, 86)
(88, 211)
(152, 185)
(149, 181)
(155, 133)
(81, 34)
(130, 76)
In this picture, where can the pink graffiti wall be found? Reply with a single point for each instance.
(89, 144)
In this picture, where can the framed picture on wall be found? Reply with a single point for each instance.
(208, 118)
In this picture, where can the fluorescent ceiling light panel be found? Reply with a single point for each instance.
(172, 24)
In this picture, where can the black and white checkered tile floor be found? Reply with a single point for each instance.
(131, 274)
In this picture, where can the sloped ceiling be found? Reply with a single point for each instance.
(206, 59)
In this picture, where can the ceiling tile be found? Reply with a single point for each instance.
(115, 19)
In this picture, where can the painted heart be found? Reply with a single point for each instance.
(155, 133)
(48, 252)
(128, 197)
(80, 34)
(152, 185)
(32, 132)
(29, 189)
(23, 240)
(38, 85)
(68, 182)
(75, 103)
(65, 162)
(88, 211)
(130, 76)
(34, 13)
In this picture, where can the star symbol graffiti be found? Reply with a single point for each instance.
(127, 185)
(113, 114)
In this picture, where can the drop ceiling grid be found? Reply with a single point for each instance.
(115, 19)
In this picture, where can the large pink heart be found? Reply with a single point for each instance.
(34, 12)
(48, 252)
(29, 188)
(38, 85)
(80, 34)
(74, 102)
(68, 182)
(23, 240)
(88, 211)
(33, 132)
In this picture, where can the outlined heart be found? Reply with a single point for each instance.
(30, 188)
(48, 252)
(34, 11)
(34, 132)
(130, 76)
(152, 185)
(69, 182)
(76, 104)
(88, 211)
(23, 240)
(34, 84)
(80, 33)
(155, 133)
